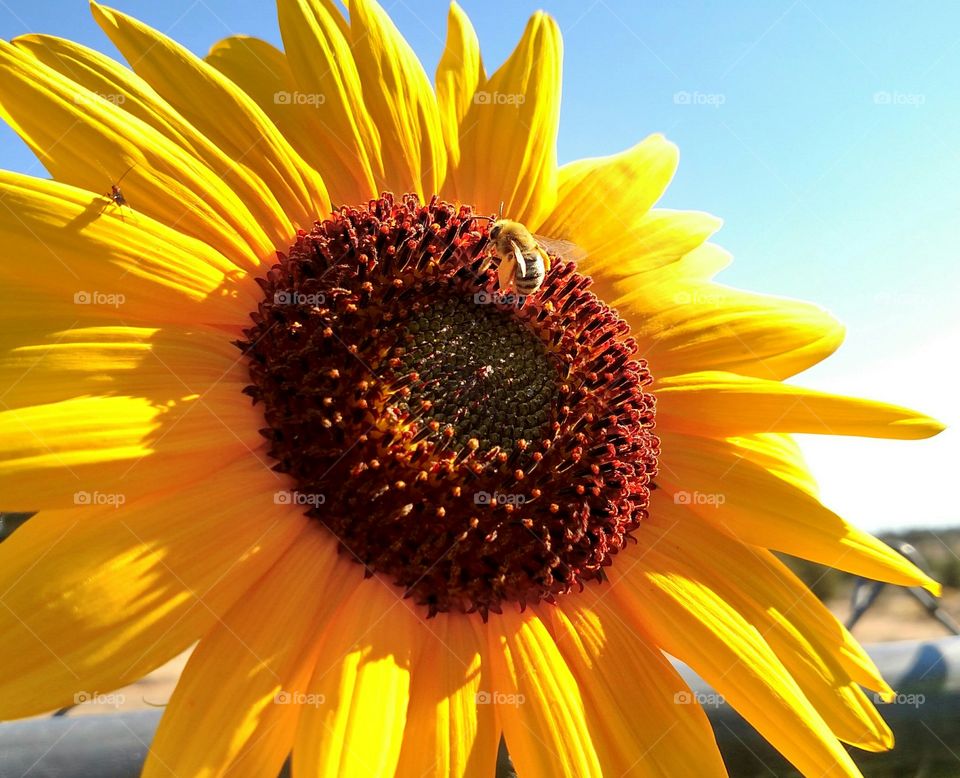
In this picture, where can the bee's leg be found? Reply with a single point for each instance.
(505, 273)
(487, 260)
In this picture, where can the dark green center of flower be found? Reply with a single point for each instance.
(474, 448)
(481, 373)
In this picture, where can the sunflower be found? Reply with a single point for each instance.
(268, 397)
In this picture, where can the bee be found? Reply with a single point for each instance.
(524, 263)
(524, 257)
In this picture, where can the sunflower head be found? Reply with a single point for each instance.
(393, 556)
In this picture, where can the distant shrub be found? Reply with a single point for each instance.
(826, 583)
(947, 571)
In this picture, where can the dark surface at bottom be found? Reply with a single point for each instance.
(925, 719)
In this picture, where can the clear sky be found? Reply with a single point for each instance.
(826, 134)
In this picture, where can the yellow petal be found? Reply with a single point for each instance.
(236, 706)
(538, 700)
(639, 176)
(686, 325)
(720, 482)
(346, 150)
(670, 259)
(780, 455)
(68, 257)
(256, 178)
(694, 623)
(719, 404)
(400, 100)
(42, 363)
(459, 74)
(72, 439)
(620, 237)
(631, 695)
(508, 136)
(95, 597)
(447, 732)
(117, 84)
(820, 625)
(263, 72)
(361, 686)
(52, 455)
(816, 650)
(79, 444)
(624, 265)
(85, 140)
(221, 111)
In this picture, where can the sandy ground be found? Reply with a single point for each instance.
(894, 616)
(151, 691)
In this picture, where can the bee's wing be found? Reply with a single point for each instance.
(565, 249)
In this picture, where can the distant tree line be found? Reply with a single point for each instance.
(940, 548)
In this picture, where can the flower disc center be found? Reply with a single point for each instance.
(480, 372)
(473, 450)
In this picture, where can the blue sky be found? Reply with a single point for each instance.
(827, 135)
